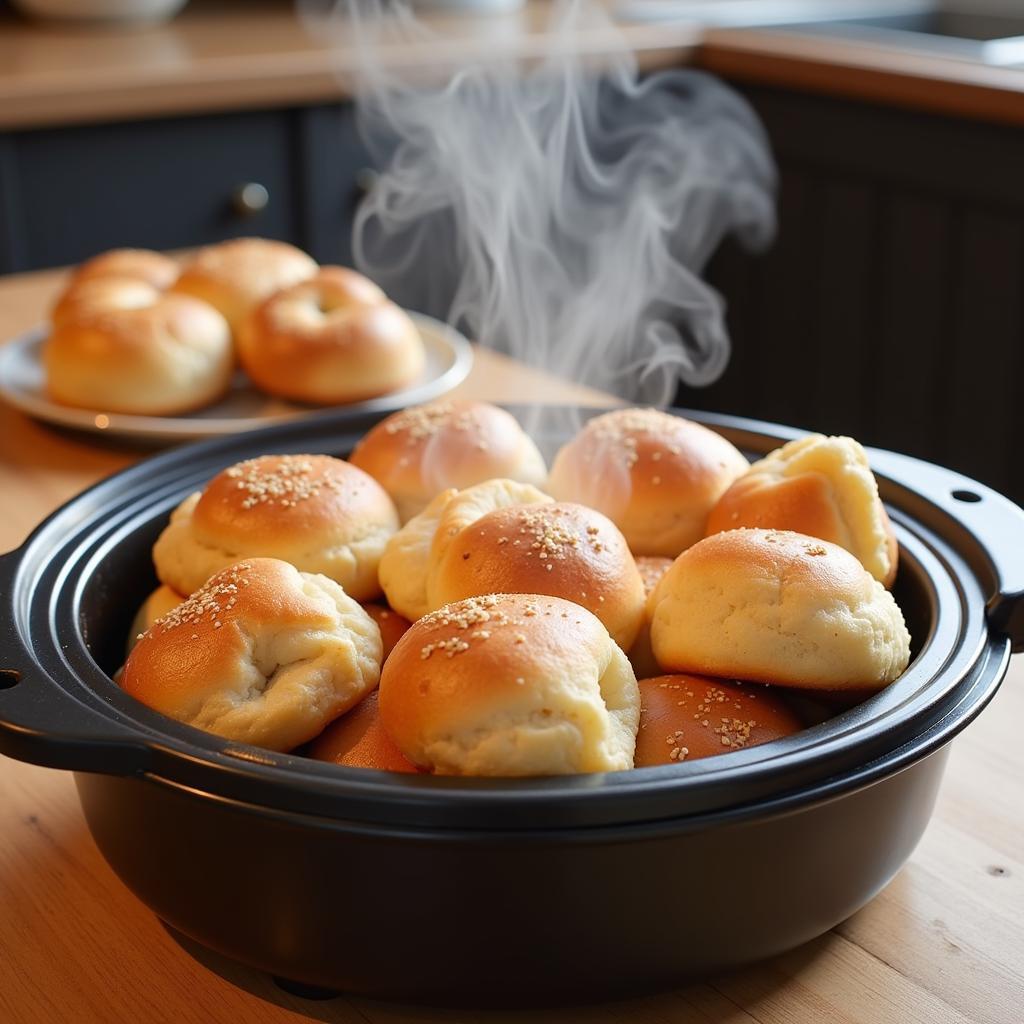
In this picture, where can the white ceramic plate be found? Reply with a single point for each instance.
(449, 357)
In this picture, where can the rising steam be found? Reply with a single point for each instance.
(556, 213)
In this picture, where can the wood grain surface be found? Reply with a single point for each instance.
(943, 944)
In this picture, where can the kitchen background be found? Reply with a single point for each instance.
(889, 306)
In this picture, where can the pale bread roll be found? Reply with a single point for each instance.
(777, 607)
(820, 486)
(317, 512)
(261, 654)
(169, 355)
(419, 452)
(408, 559)
(510, 685)
(656, 476)
(236, 276)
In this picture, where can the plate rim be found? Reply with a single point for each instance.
(173, 429)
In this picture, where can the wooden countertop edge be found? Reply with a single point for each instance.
(865, 72)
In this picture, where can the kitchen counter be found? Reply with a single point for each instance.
(942, 944)
(218, 55)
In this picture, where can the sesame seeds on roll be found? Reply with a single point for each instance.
(317, 512)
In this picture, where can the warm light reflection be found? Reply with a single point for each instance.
(102, 421)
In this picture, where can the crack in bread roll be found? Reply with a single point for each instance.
(333, 338)
(261, 654)
(315, 511)
(236, 276)
(656, 476)
(511, 685)
(135, 350)
(419, 452)
(406, 564)
(686, 717)
(820, 486)
(153, 268)
(156, 606)
(777, 607)
(641, 654)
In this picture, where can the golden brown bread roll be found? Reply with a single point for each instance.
(558, 549)
(407, 561)
(820, 486)
(333, 338)
(777, 607)
(510, 685)
(261, 654)
(156, 606)
(317, 512)
(102, 294)
(236, 276)
(641, 654)
(168, 356)
(154, 268)
(391, 626)
(656, 476)
(358, 740)
(685, 717)
(419, 452)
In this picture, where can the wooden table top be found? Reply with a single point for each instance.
(943, 944)
(226, 55)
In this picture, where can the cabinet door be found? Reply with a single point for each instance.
(163, 184)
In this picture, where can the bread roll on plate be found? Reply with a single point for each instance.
(171, 354)
(236, 276)
(153, 268)
(777, 607)
(510, 684)
(419, 452)
(317, 512)
(686, 717)
(821, 486)
(358, 740)
(333, 338)
(656, 476)
(262, 654)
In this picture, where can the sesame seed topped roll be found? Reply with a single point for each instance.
(777, 607)
(821, 486)
(419, 452)
(684, 717)
(656, 476)
(261, 654)
(156, 606)
(511, 685)
(317, 512)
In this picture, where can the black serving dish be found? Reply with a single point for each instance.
(496, 892)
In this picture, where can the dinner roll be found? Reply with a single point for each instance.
(641, 654)
(317, 512)
(821, 486)
(510, 684)
(777, 607)
(391, 626)
(261, 654)
(419, 452)
(153, 268)
(656, 476)
(559, 549)
(407, 563)
(684, 717)
(330, 339)
(358, 740)
(156, 606)
(236, 276)
(170, 355)
(100, 295)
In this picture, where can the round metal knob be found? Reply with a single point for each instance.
(250, 198)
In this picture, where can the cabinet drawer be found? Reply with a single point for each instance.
(163, 184)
